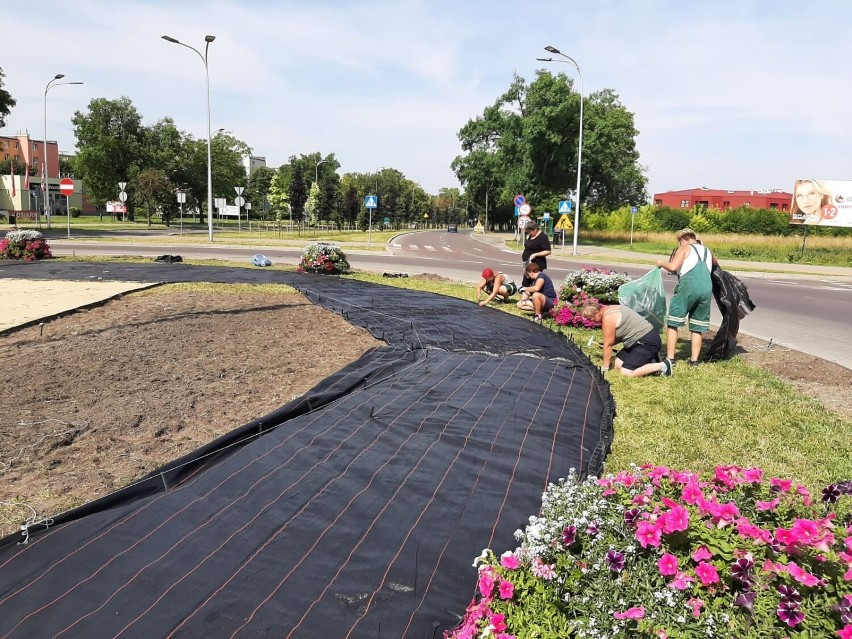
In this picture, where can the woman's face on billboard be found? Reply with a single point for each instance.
(808, 199)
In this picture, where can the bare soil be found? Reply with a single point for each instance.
(103, 396)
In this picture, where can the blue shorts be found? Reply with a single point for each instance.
(645, 351)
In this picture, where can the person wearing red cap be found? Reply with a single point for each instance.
(494, 285)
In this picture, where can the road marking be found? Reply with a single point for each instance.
(414, 247)
(447, 248)
(428, 248)
(396, 245)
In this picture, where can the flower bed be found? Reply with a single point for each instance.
(665, 554)
(586, 285)
(325, 258)
(25, 244)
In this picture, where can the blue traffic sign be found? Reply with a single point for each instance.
(564, 206)
(517, 211)
(520, 200)
(371, 201)
(633, 210)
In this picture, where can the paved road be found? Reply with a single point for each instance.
(806, 310)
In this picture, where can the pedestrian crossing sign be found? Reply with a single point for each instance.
(371, 201)
(564, 206)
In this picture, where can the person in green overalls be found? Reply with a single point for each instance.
(692, 262)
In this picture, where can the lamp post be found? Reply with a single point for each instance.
(570, 60)
(44, 172)
(208, 39)
(316, 170)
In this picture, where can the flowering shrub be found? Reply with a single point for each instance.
(25, 244)
(323, 257)
(664, 554)
(586, 285)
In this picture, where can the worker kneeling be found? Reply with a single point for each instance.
(620, 324)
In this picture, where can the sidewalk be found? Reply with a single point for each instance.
(740, 268)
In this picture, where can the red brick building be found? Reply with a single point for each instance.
(721, 199)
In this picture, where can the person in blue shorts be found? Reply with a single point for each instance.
(640, 353)
(690, 303)
(539, 297)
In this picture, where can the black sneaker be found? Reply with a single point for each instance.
(693, 363)
(671, 361)
(666, 371)
(537, 319)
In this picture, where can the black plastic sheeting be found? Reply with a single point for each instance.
(353, 511)
(734, 303)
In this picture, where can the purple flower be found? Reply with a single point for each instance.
(592, 529)
(844, 609)
(789, 594)
(615, 560)
(569, 535)
(630, 516)
(831, 493)
(789, 613)
(746, 600)
(741, 568)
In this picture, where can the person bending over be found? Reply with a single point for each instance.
(620, 324)
(494, 285)
(540, 296)
(692, 262)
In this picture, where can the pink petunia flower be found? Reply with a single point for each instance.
(675, 520)
(486, 583)
(507, 589)
(725, 514)
(636, 612)
(667, 565)
(648, 534)
(691, 493)
(509, 561)
(681, 581)
(753, 475)
(845, 632)
(781, 485)
(707, 573)
(701, 553)
(542, 570)
(767, 505)
(802, 576)
(498, 622)
(696, 605)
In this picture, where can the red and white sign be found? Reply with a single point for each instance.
(66, 186)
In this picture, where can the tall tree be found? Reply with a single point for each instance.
(298, 192)
(312, 205)
(527, 142)
(6, 101)
(155, 192)
(258, 188)
(110, 147)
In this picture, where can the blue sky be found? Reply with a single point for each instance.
(726, 94)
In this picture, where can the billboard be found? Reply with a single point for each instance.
(823, 202)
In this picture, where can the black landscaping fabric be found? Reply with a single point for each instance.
(353, 511)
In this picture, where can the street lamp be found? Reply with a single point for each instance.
(316, 170)
(44, 172)
(208, 39)
(570, 60)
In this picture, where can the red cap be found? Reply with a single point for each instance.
(487, 274)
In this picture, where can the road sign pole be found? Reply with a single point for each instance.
(68, 213)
